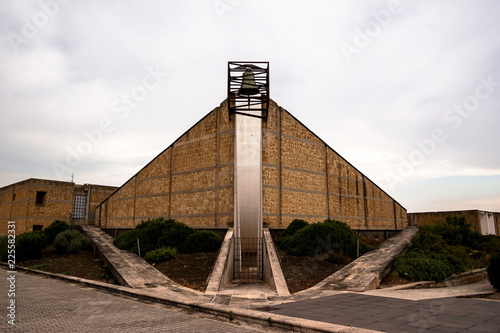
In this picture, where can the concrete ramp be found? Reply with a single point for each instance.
(366, 272)
(127, 268)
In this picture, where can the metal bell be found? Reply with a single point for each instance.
(248, 85)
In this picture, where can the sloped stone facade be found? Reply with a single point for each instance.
(193, 181)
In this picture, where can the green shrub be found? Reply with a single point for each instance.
(71, 241)
(30, 245)
(201, 241)
(154, 234)
(293, 227)
(421, 268)
(455, 231)
(175, 235)
(493, 270)
(150, 233)
(427, 240)
(445, 248)
(488, 244)
(161, 254)
(128, 240)
(321, 237)
(54, 229)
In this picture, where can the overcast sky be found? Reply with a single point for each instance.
(408, 92)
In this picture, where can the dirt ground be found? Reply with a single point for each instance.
(84, 265)
(189, 270)
(304, 272)
(393, 279)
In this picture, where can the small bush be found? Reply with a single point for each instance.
(175, 235)
(493, 270)
(30, 245)
(161, 254)
(71, 241)
(293, 227)
(150, 233)
(421, 268)
(54, 229)
(322, 237)
(127, 241)
(201, 241)
(489, 244)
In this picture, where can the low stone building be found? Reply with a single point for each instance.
(193, 180)
(487, 223)
(35, 203)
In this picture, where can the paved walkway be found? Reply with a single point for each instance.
(48, 305)
(397, 315)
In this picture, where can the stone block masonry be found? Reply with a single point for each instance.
(306, 179)
(34, 204)
(192, 181)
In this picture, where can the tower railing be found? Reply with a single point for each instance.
(248, 258)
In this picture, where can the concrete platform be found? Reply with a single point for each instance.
(245, 294)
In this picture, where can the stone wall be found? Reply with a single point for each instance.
(192, 181)
(303, 178)
(18, 203)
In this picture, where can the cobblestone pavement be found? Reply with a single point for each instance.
(47, 305)
(397, 315)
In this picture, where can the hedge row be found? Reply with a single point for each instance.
(160, 234)
(303, 239)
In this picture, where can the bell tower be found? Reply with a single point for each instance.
(248, 102)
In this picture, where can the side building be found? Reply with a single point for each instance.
(192, 181)
(487, 223)
(35, 203)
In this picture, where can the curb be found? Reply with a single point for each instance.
(454, 280)
(253, 316)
